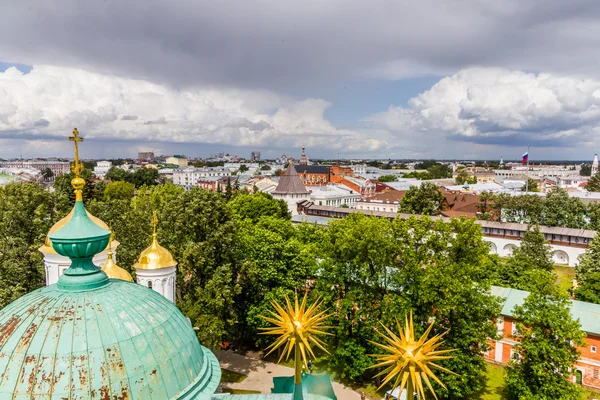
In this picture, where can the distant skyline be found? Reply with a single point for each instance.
(378, 79)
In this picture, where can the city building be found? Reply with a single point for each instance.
(291, 189)
(334, 195)
(388, 201)
(156, 268)
(146, 156)
(57, 167)
(303, 158)
(189, 177)
(595, 165)
(262, 184)
(255, 156)
(313, 175)
(180, 161)
(102, 168)
(363, 186)
(586, 370)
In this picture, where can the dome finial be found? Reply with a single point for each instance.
(154, 222)
(78, 183)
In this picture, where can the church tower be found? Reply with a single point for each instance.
(303, 158)
(291, 189)
(595, 165)
(54, 263)
(156, 268)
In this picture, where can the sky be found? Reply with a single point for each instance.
(458, 79)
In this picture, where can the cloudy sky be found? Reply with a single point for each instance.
(379, 78)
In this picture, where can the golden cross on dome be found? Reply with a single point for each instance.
(154, 221)
(77, 168)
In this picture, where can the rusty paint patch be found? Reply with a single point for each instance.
(26, 338)
(8, 329)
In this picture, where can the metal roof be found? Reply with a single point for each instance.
(123, 341)
(587, 313)
(290, 183)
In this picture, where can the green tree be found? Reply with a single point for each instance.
(586, 170)
(531, 186)
(532, 255)
(388, 178)
(62, 186)
(425, 199)
(593, 184)
(562, 210)
(143, 177)
(265, 167)
(119, 190)
(589, 289)
(257, 205)
(243, 168)
(439, 171)
(116, 174)
(463, 177)
(545, 352)
(47, 173)
(587, 273)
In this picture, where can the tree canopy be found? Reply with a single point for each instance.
(425, 199)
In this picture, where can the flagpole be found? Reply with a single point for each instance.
(527, 174)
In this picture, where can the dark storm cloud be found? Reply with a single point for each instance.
(159, 121)
(129, 117)
(274, 44)
(42, 123)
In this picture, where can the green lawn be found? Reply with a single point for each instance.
(565, 276)
(231, 377)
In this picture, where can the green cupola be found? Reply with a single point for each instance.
(91, 337)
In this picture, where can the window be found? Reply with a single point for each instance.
(593, 349)
(595, 373)
(150, 284)
(515, 330)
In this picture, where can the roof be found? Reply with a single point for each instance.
(122, 340)
(290, 183)
(387, 197)
(313, 169)
(587, 313)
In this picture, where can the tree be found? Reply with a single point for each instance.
(589, 289)
(243, 168)
(257, 205)
(531, 186)
(587, 273)
(116, 174)
(586, 170)
(532, 255)
(425, 199)
(545, 352)
(593, 184)
(62, 185)
(463, 177)
(119, 190)
(439, 171)
(143, 177)
(387, 178)
(47, 174)
(265, 168)
(561, 210)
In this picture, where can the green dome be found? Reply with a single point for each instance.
(121, 341)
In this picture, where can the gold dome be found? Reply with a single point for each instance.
(112, 270)
(47, 247)
(155, 256)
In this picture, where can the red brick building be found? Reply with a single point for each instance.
(586, 371)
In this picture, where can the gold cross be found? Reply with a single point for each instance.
(77, 168)
(154, 221)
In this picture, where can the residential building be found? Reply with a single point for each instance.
(181, 161)
(145, 156)
(57, 167)
(217, 184)
(255, 156)
(188, 177)
(291, 189)
(102, 168)
(263, 184)
(334, 195)
(313, 175)
(388, 201)
(586, 370)
(359, 169)
(460, 204)
(365, 187)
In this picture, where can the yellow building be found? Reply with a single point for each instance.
(177, 160)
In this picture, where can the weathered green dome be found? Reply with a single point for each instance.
(121, 341)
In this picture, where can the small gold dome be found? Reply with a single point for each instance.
(155, 257)
(114, 271)
(47, 247)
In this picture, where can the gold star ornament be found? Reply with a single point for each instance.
(410, 362)
(297, 327)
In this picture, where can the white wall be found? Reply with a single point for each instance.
(561, 254)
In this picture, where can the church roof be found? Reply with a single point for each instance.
(155, 256)
(290, 183)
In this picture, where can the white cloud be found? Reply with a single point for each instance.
(501, 106)
(50, 101)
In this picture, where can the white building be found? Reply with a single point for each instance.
(385, 201)
(359, 169)
(291, 189)
(595, 165)
(57, 167)
(181, 161)
(102, 168)
(189, 177)
(334, 195)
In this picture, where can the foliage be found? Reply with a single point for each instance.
(47, 173)
(388, 178)
(534, 254)
(265, 167)
(425, 199)
(439, 171)
(243, 168)
(593, 184)
(587, 273)
(62, 185)
(463, 177)
(545, 352)
(119, 190)
(258, 205)
(418, 175)
(589, 290)
(531, 186)
(140, 177)
(586, 170)
(116, 174)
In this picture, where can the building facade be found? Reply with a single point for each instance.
(57, 167)
(146, 156)
(180, 161)
(189, 177)
(388, 201)
(334, 195)
(102, 168)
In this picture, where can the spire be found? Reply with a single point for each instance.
(290, 182)
(80, 239)
(155, 256)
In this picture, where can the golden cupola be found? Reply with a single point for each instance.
(111, 269)
(155, 256)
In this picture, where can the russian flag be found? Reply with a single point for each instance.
(525, 157)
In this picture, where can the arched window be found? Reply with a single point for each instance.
(150, 284)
